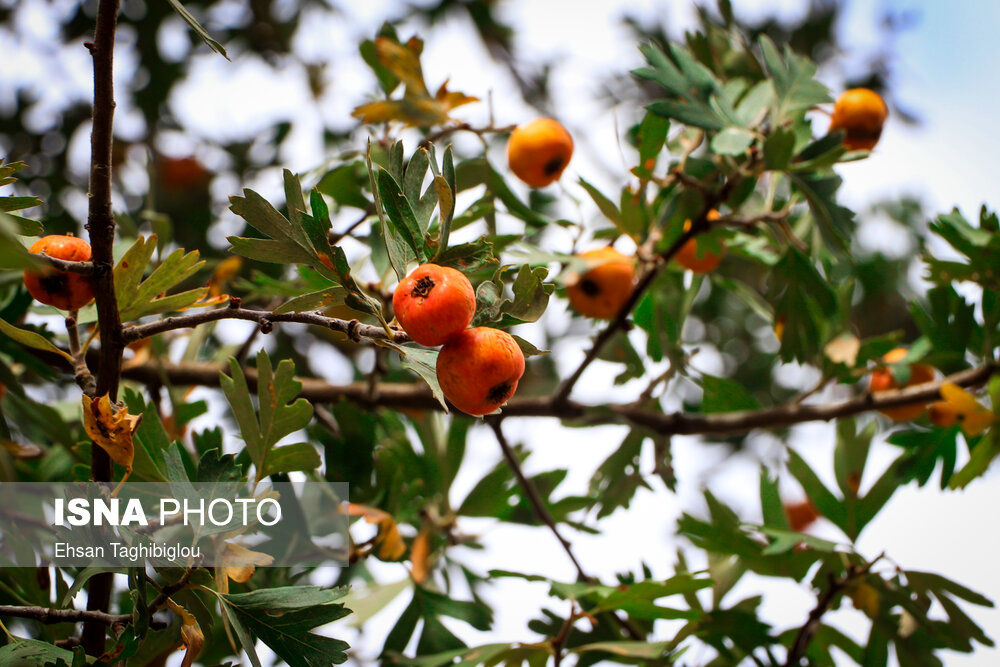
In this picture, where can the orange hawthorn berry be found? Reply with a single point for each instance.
(539, 151)
(883, 380)
(860, 113)
(479, 368)
(433, 303)
(699, 260)
(182, 173)
(801, 515)
(602, 290)
(61, 289)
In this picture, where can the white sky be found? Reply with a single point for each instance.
(944, 69)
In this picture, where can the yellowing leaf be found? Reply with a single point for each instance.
(452, 99)
(417, 107)
(421, 112)
(191, 635)
(111, 428)
(419, 556)
(974, 417)
(207, 299)
(224, 272)
(403, 61)
(388, 543)
(865, 598)
(240, 562)
(843, 350)
(19, 451)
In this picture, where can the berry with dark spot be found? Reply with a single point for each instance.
(605, 287)
(479, 368)
(860, 113)
(433, 303)
(539, 151)
(65, 290)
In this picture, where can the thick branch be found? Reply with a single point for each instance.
(101, 225)
(353, 328)
(48, 616)
(417, 396)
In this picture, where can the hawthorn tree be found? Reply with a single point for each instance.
(728, 216)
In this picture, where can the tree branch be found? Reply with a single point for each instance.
(543, 514)
(81, 373)
(353, 328)
(537, 504)
(699, 225)
(49, 616)
(86, 268)
(837, 585)
(417, 396)
(101, 225)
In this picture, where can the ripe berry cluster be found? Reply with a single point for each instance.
(479, 368)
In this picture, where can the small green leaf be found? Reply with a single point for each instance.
(31, 339)
(423, 362)
(27, 652)
(725, 395)
(605, 205)
(732, 141)
(778, 149)
(138, 296)
(8, 204)
(403, 222)
(200, 31)
(279, 416)
(292, 458)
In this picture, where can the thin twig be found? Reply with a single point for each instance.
(537, 504)
(353, 328)
(837, 585)
(618, 322)
(81, 372)
(337, 237)
(171, 589)
(86, 268)
(465, 127)
(543, 514)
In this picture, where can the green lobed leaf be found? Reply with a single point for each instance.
(283, 618)
(31, 339)
(138, 296)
